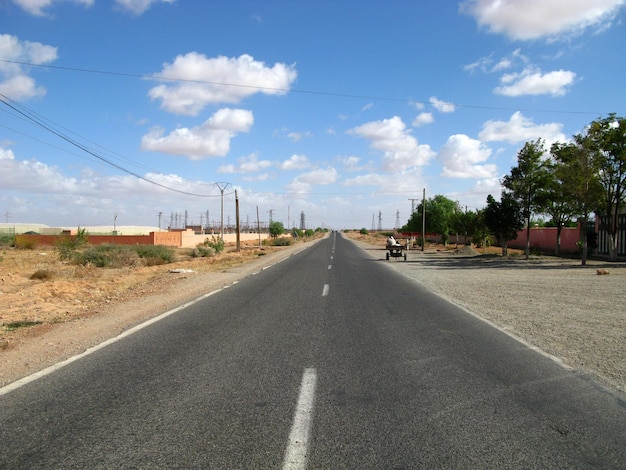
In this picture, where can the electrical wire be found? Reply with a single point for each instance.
(39, 121)
(288, 90)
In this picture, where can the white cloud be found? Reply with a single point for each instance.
(401, 149)
(36, 7)
(303, 183)
(193, 81)
(521, 129)
(533, 19)
(298, 136)
(533, 82)
(490, 65)
(422, 119)
(402, 182)
(462, 157)
(139, 7)
(14, 80)
(247, 164)
(211, 139)
(441, 106)
(295, 162)
(351, 163)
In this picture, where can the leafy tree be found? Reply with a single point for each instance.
(276, 229)
(477, 230)
(439, 214)
(529, 182)
(504, 219)
(577, 170)
(608, 137)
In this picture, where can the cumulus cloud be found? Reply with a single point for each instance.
(37, 7)
(402, 182)
(295, 162)
(441, 106)
(463, 157)
(194, 81)
(14, 79)
(401, 149)
(247, 164)
(139, 7)
(422, 119)
(533, 82)
(521, 129)
(489, 64)
(211, 139)
(303, 183)
(533, 19)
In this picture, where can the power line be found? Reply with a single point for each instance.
(287, 90)
(32, 117)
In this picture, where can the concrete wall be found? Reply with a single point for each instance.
(544, 239)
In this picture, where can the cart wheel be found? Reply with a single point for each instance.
(387, 256)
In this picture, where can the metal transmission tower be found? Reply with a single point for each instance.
(373, 221)
(302, 221)
(397, 219)
(380, 220)
(222, 186)
(413, 206)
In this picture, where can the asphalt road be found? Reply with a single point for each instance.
(326, 360)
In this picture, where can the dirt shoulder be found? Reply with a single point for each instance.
(74, 308)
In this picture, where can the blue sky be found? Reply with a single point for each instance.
(342, 110)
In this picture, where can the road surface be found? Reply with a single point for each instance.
(326, 360)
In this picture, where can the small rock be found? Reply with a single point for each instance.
(601, 272)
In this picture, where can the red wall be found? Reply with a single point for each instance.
(544, 239)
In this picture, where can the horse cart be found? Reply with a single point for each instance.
(396, 250)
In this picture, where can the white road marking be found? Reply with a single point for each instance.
(330, 266)
(298, 446)
(325, 290)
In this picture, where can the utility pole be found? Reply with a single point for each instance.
(424, 220)
(413, 201)
(237, 215)
(397, 219)
(160, 215)
(380, 221)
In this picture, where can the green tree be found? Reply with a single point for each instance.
(439, 217)
(577, 170)
(276, 229)
(504, 219)
(529, 181)
(608, 137)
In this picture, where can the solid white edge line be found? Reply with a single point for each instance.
(298, 446)
(59, 365)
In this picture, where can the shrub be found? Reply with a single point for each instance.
(282, 241)
(364, 231)
(202, 251)
(24, 242)
(215, 242)
(155, 254)
(68, 245)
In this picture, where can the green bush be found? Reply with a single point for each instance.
(202, 251)
(20, 324)
(68, 245)
(282, 241)
(364, 231)
(155, 254)
(214, 242)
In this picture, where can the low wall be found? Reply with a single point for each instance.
(544, 239)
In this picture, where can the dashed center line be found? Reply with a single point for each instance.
(325, 290)
(298, 446)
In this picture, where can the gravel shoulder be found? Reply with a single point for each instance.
(556, 305)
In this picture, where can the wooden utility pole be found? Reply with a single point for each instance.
(424, 220)
(237, 223)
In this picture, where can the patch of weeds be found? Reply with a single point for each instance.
(155, 254)
(282, 241)
(202, 251)
(12, 326)
(216, 243)
(25, 242)
(42, 275)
